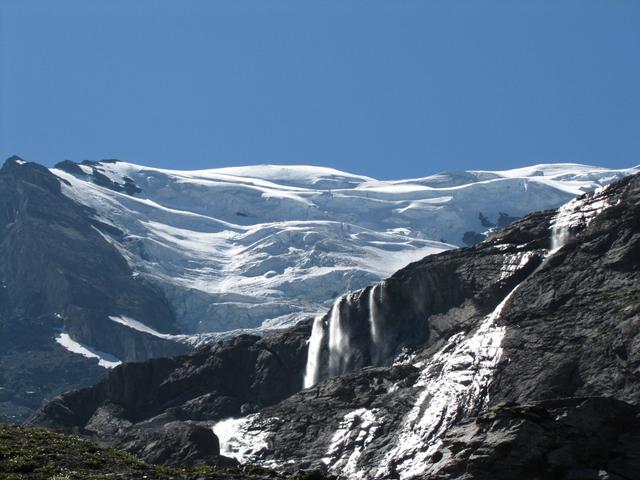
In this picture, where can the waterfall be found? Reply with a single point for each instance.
(339, 346)
(374, 324)
(560, 226)
(340, 349)
(338, 341)
(559, 236)
(312, 370)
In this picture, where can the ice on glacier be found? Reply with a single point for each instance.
(267, 246)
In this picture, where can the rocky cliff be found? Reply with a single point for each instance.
(61, 281)
(516, 358)
(109, 262)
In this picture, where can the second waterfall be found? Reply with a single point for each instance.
(349, 336)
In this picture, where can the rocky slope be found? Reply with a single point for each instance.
(268, 246)
(105, 262)
(516, 358)
(60, 280)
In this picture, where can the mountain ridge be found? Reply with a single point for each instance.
(113, 268)
(523, 350)
(297, 246)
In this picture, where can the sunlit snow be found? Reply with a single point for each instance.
(105, 360)
(266, 246)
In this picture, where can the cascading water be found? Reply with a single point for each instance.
(374, 324)
(312, 370)
(560, 227)
(577, 214)
(454, 381)
(338, 345)
(339, 348)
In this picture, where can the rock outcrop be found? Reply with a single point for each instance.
(133, 407)
(109, 262)
(60, 276)
(515, 358)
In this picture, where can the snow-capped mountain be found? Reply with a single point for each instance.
(517, 358)
(266, 246)
(109, 262)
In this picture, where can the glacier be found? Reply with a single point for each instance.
(265, 246)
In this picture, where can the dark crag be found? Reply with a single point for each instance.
(58, 273)
(510, 362)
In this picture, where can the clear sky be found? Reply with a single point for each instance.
(389, 89)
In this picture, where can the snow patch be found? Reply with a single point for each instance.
(514, 262)
(238, 440)
(453, 381)
(105, 360)
(356, 431)
(139, 326)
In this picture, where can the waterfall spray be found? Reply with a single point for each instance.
(559, 237)
(374, 324)
(338, 340)
(312, 370)
(560, 226)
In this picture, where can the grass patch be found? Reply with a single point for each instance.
(37, 454)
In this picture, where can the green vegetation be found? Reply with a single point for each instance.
(35, 453)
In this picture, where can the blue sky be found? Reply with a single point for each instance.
(386, 88)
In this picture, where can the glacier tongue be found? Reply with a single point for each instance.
(267, 246)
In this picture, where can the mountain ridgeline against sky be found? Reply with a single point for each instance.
(109, 262)
(518, 357)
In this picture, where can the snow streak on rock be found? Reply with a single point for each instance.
(105, 360)
(355, 432)
(139, 326)
(514, 262)
(238, 440)
(577, 213)
(454, 382)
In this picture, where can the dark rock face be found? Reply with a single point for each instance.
(579, 318)
(575, 438)
(132, 406)
(471, 238)
(504, 220)
(176, 443)
(518, 357)
(128, 186)
(59, 274)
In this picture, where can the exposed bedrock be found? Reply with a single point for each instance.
(512, 352)
(58, 274)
